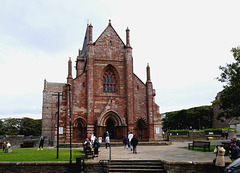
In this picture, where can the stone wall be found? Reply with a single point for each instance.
(47, 167)
(64, 167)
(190, 167)
(199, 135)
(16, 141)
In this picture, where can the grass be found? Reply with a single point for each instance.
(45, 155)
(212, 147)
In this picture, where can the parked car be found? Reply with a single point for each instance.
(234, 167)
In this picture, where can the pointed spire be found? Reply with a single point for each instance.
(90, 34)
(148, 73)
(127, 37)
(69, 68)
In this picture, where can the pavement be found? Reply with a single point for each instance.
(169, 153)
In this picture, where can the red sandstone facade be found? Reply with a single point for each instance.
(105, 94)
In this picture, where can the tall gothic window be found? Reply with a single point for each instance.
(109, 82)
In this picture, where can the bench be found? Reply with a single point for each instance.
(199, 144)
(88, 152)
(27, 144)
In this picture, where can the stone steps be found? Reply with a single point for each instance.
(136, 166)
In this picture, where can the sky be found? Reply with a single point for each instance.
(184, 43)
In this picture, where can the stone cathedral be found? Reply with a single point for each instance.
(104, 96)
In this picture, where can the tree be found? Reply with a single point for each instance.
(196, 118)
(30, 126)
(20, 126)
(230, 96)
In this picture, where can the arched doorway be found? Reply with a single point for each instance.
(110, 128)
(139, 128)
(113, 123)
(142, 130)
(79, 130)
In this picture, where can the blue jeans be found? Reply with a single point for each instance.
(130, 145)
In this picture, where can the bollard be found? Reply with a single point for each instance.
(79, 164)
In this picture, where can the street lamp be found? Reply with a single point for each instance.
(58, 113)
(70, 122)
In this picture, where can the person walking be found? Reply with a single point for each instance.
(130, 136)
(220, 161)
(96, 147)
(134, 143)
(41, 143)
(107, 141)
(235, 151)
(125, 142)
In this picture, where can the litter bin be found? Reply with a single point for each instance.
(79, 164)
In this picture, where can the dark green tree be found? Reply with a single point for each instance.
(30, 126)
(20, 126)
(195, 118)
(11, 126)
(230, 96)
(1, 128)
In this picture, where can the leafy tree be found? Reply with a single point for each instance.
(230, 96)
(1, 128)
(30, 126)
(17, 126)
(197, 117)
(11, 126)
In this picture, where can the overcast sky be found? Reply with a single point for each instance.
(184, 43)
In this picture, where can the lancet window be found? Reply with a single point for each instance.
(109, 82)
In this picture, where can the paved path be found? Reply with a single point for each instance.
(168, 153)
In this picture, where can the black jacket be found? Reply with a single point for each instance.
(134, 141)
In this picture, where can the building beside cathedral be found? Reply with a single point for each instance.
(104, 96)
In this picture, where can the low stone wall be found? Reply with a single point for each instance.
(48, 167)
(64, 167)
(190, 167)
(200, 135)
(16, 141)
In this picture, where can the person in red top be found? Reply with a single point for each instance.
(89, 136)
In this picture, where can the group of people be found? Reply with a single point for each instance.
(92, 143)
(6, 146)
(131, 141)
(220, 152)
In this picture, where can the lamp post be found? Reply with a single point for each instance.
(58, 126)
(70, 122)
(58, 114)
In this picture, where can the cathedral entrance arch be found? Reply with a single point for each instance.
(112, 123)
(142, 130)
(79, 130)
(110, 128)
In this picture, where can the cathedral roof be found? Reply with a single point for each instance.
(110, 25)
(83, 52)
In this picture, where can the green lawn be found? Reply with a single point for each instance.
(32, 154)
(212, 147)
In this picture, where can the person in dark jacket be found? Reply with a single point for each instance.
(96, 147)
(134, 143)
(125, 142)
(235, 151)
(41, 143)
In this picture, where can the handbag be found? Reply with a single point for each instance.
(214, 161)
